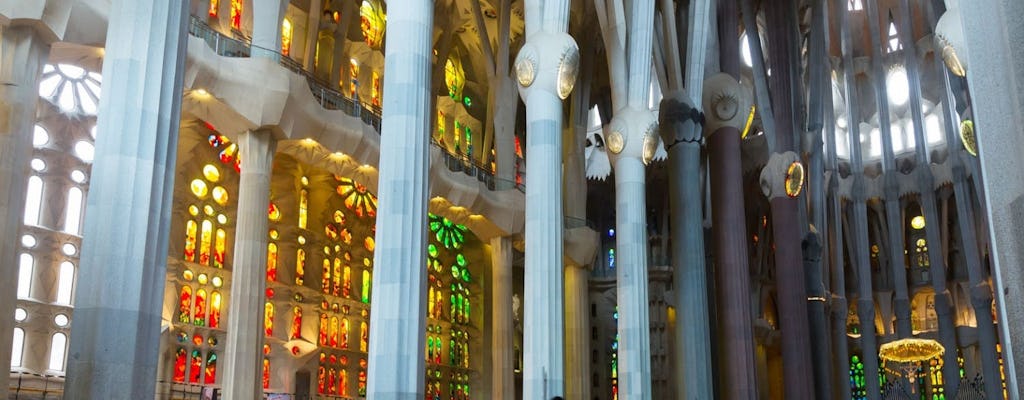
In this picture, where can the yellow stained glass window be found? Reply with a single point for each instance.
(336, 277)
(286, 37)
(375, 89)
(216, 302)
(372, 21)
(191, 229)
(353, 71)
(268, 318)
(199, 188)
(220, 195)
(364, 337)
(219, 248)
(205, 239)
(211, 173)
(274, 213)
(214, 5)
(303, 207)
(344, 333)
(300, 266)
(333, 336)
(271, 262)
(236, 14)
(325, 279)
(454, 78)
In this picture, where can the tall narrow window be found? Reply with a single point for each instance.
(333, 341)
(268, 318)
(191, 230)
(300, 266)
(185, 305)
(325, 281)
(337, 277)
(286, 37)
(33, 199)
(65, 280)
(346, 288)
(858, 387)
(343, 383)
(296, 331)
(236, 14)
(220, 248)
(179, 365)
(364, 336)
(58, 346)
(375, 89)
(214, 5)
(324, 325)
(894, 39)
(266, 373)
(366, 286)
(25, 266)
(211, 369)
(199, 315)
(353, 70)
(73, 216)
(195, 366)
(271, 262)
(856, 5)
(344, 333)
(19, 347)
(215, 306)
(303, 207)
(206, 238)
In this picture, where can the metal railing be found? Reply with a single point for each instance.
(332, 99)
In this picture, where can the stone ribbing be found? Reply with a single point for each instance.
(243, 354)
(502, 339)
(115, 345)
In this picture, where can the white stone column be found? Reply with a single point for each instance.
(577, 333)
(312, 33)
(22, 55)
(116, 341)
(503, 385)
(398, 320)
(267, 16)
(243, 354)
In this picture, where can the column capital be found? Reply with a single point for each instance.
(257, 150)
(633, 133)
(783, 176)
(549, 61)
(678, 108)
(49, 19)
(726, 102)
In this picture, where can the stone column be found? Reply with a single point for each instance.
(267, 16)
(243, 354)
(22, 55)
(736, 333)
(503, 383)
(116, 341)
(577, 332)
(679, 123)
(548, 50)
(398, 319)
(312, 33)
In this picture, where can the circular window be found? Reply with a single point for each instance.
(20, 314)
(40, 137)
(61, 320)
(78, 176)
(28, 241)
(85, 151)
(69, 249)
(38, 165)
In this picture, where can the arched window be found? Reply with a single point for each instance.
(214, 5)
(337, 277)
(266, 373)
(206, 238)
(300, 266)
(179, 365)
(303, 208)
(268, 318)
(271, 262)
(236, 14)
(343, 383)
(346, 288)
(334, 332)
(286, 37)
(219, 248)
(73, 216)
(58, 346)
(211, 369)
(324, 326)
(199, 315)
(33, 200)
(364, 337)
(185, 305)
(325, 281)
(25, 266)
(215, 307)
(296, 331)
(366, 286)
(18, 348)
(936, 380)
(195, 366)
(344, 333)
(191, 229)
(65, 281)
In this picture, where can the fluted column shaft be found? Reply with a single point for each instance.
(631, 292)
(115, 346)
(399, 292)
(543, 375)
(312, 33)
(943, 297)
(22, 55)
(732, 274)
(577, 333)
(243, 353)
(693, 333)
(267, 16)
(503, 383)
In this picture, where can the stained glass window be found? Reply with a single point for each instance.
(296, 330)
(266, 373)
(206, 238)
(286, 37)
(195, 366)
(448, 233)
(454, 78)
(211, 369)
(220, 248)
(191, 229)
(214, 4)
(344, 333)
(353, 71)
(364, 337)
(858, 386)
(185, 305)
(179, 365)
(357, 198)
(366, 286)
(271, 262)
(372, 22)
(303, 207)
(236, 14)
(268, 319)
(333, 329)
(215, 307)
(375, 89)
(300, 266)
(921, 253)
(199, 315)
(71, 88)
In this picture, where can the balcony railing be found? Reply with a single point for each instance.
(332, 99)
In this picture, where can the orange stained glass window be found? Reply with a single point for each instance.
(344, 333)
(323, 329)
(300, 266)
(216, 302)
(337, 277)
(195, 367)
(214, 5)
(343, 383)
(353, 70)
(206, 238)
(430, 302)
(303, 207)
(321, 379)
(333, 338)
(191, 229)
(271, 262)
(375, 89)
(346, 288)
(236, 14)
(268, 319)
(325, 281)
(286, 37)
(296, 331)
(364, 337)
(266, 373)
(185, 305)
(211, 369)
(219, 248)
(332, 382)
(199, 316)
(179, 365)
